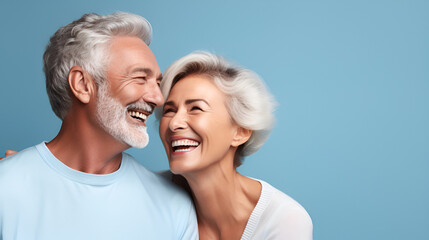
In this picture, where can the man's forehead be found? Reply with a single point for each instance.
(132, 55)
(129, 45)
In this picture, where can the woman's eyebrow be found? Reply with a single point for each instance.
(189, 101)
(169, 103)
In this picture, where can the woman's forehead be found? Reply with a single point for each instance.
(195, 86)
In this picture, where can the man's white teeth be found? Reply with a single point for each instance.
(139, 115)
(184, 143)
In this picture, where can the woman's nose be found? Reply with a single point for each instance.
(178, 122)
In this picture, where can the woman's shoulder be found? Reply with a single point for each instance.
(280, 200)
(283, 205)
(282, 216)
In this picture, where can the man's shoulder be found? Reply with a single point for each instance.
(17, 172)
(19, 162)
(159, 183)
(166, 196)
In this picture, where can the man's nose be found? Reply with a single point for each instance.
(153, 94)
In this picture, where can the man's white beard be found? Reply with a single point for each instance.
(112, 117)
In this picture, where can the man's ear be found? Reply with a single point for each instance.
(241, 136)
(81, 84)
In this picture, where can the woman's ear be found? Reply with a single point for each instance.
(241, 136)
(81, 84)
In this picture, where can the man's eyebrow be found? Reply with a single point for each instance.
(148, 71)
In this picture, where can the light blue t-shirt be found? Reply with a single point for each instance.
(42, 198)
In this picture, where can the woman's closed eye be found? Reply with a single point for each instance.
(167, 111)
(196, 108)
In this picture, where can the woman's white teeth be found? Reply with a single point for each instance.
(184, 143)
(181, 150)
(138, 115)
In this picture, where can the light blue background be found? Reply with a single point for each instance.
(351, 142)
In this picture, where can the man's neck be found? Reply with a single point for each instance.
(86, 148)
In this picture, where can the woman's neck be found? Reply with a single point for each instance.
(224, 201)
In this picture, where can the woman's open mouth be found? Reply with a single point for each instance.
(184, 145)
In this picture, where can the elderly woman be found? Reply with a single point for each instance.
(215, 114)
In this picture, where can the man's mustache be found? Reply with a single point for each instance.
(142, 106)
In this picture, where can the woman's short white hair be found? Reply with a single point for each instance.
(249, 103)
(85, 43)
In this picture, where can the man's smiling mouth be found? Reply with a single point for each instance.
(138, 115)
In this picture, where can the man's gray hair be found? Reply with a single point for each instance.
(85, 43)
(249, 103)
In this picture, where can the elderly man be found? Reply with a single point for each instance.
(102, 80)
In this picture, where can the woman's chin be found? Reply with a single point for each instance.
(178, 169)
(182, 169)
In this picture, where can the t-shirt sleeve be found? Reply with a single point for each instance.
(191, 226)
